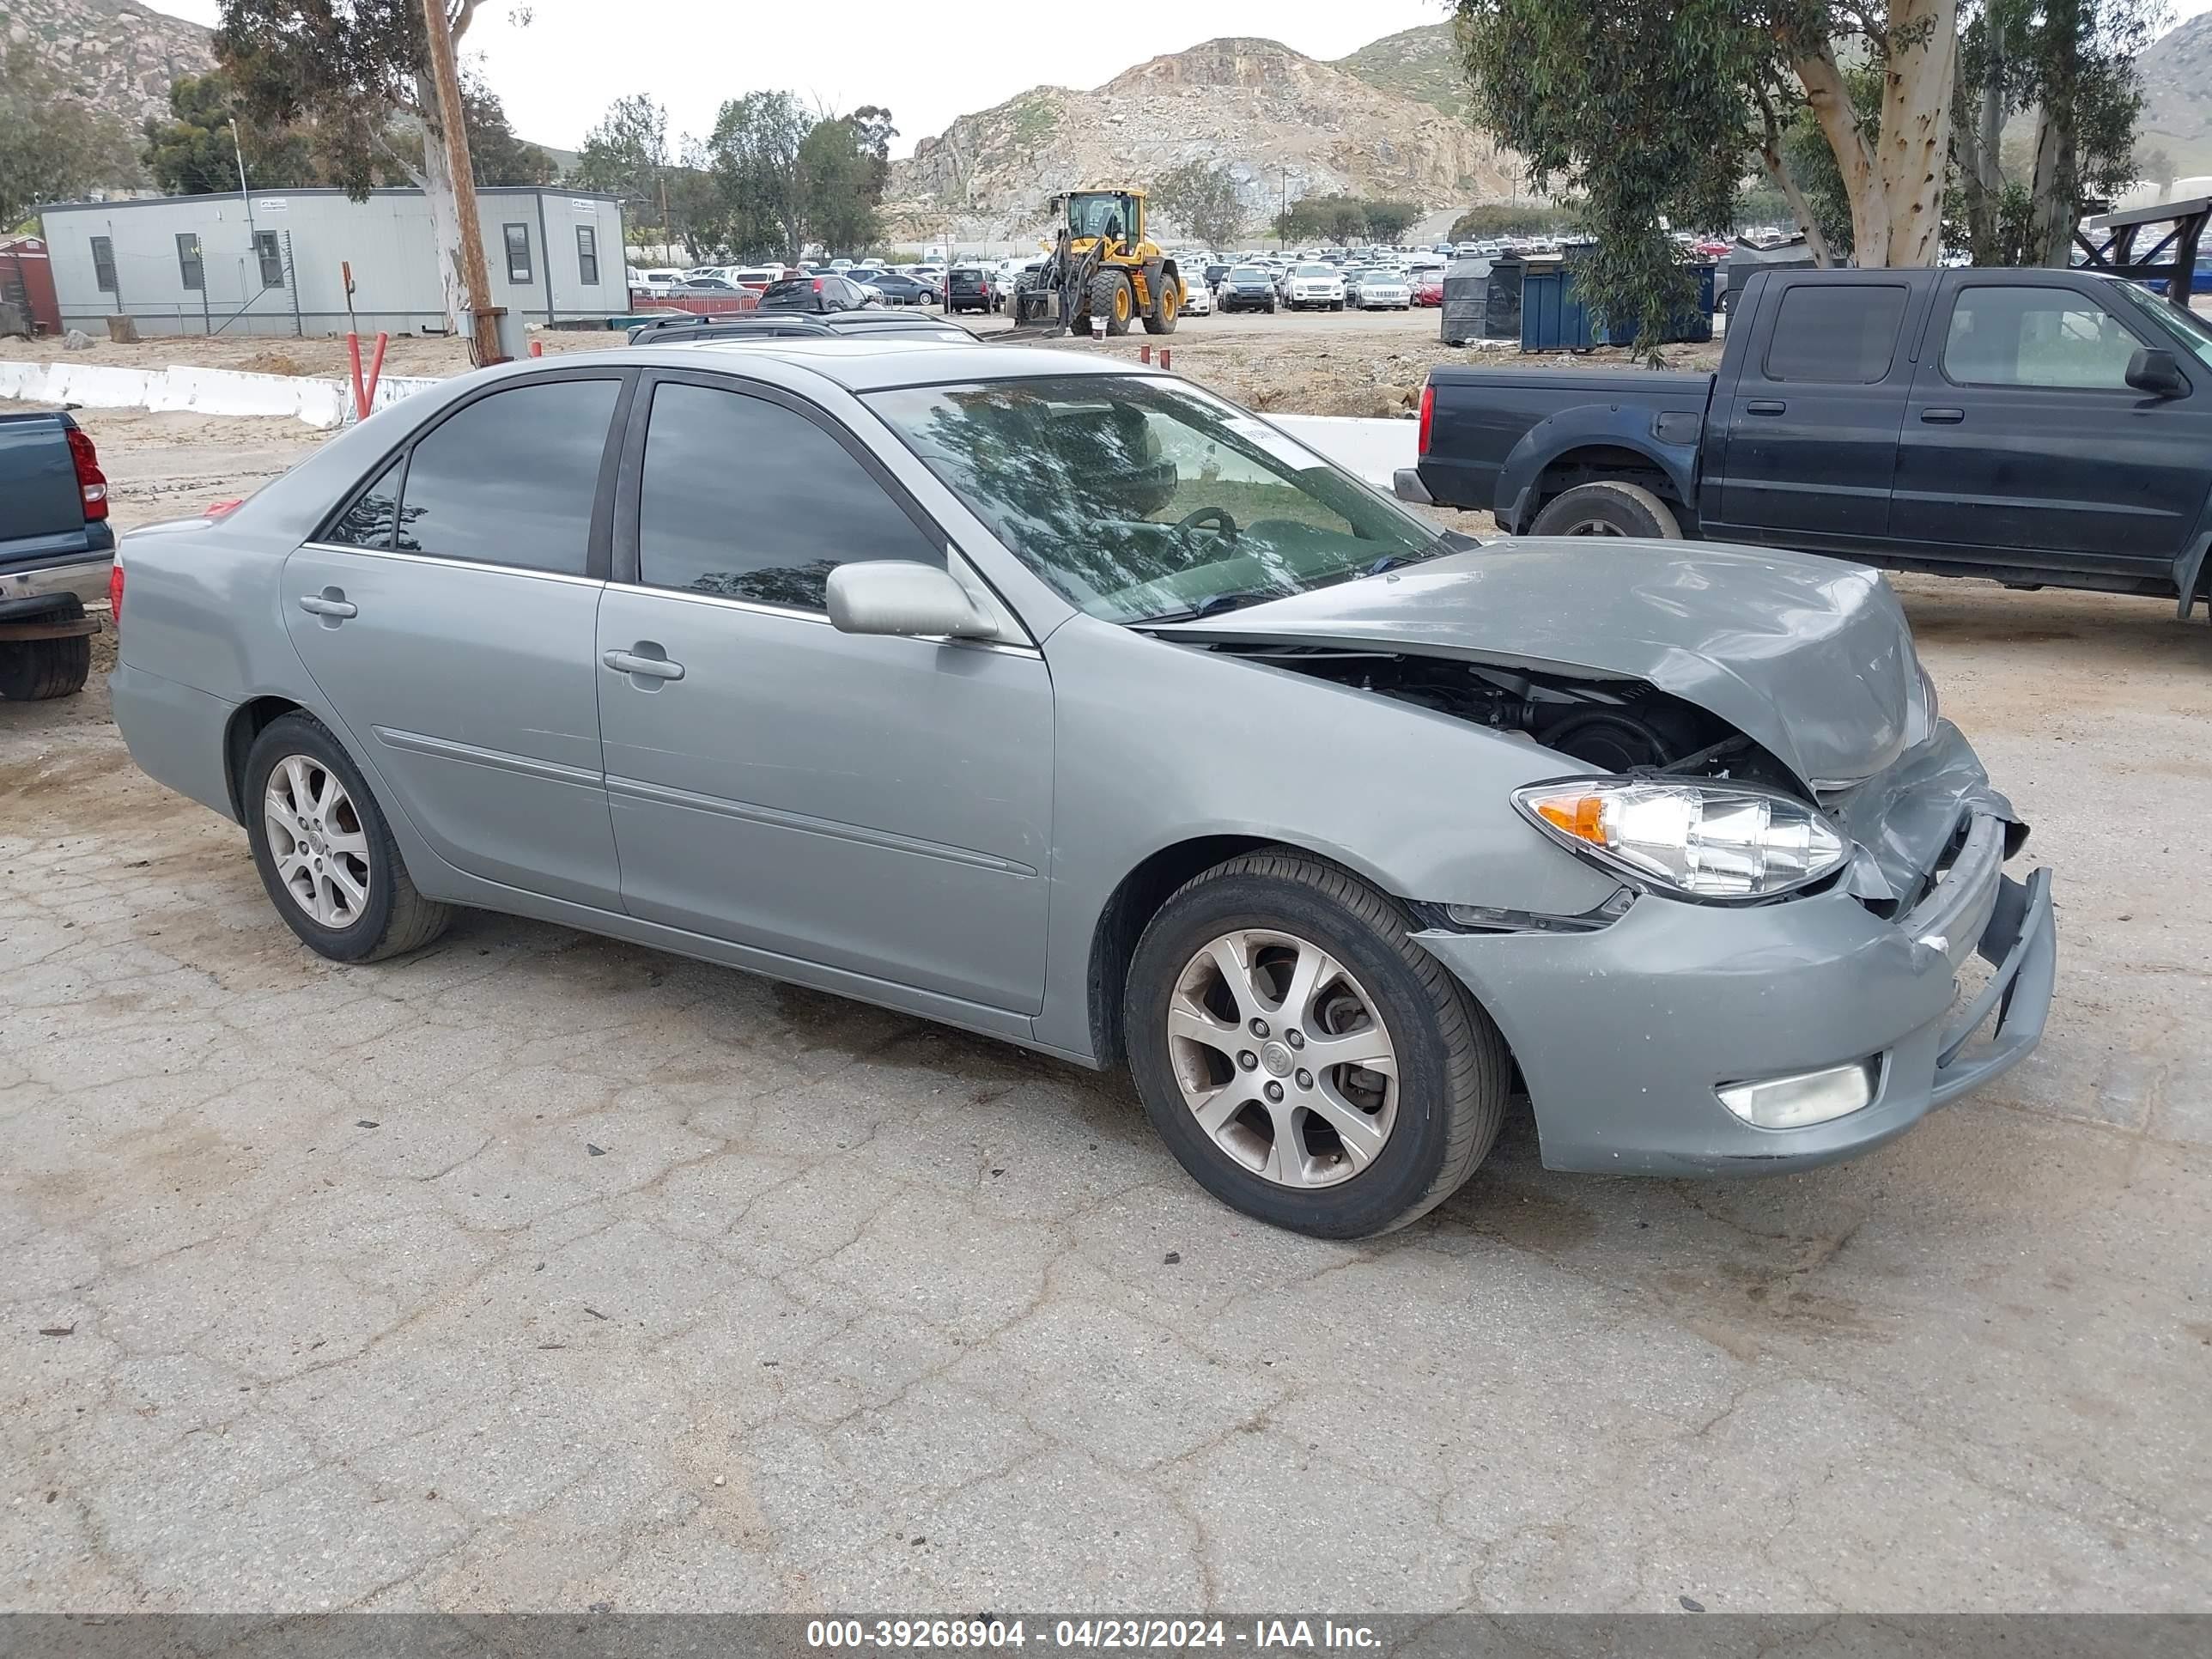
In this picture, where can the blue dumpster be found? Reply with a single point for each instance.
(1554, 319)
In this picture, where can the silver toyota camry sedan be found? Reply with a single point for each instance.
(1064, 701)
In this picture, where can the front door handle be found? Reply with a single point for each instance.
(330, 602)
(647, 668)
(1765, 406)
(1942, 417)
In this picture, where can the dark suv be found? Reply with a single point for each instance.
(967, 287)
(817, 294)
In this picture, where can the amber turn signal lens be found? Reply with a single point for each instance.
(1579, 816)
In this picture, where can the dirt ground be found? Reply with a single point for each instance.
(540, 1272)
(1367, 363)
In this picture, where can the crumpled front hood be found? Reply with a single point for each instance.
(1807, 657)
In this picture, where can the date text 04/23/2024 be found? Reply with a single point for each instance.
(1118, 1632)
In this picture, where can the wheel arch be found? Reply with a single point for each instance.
(1586, 444)
(1148, 885)
(248, 721)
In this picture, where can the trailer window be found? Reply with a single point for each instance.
(271, 261)
(190, 270)
(103, 263)
(518, 252)
(588, 255)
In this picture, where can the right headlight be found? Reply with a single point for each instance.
(1714, 841)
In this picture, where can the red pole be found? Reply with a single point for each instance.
(538, 347)
(1167, 356)
(377, 367)
(1144, 354)
(353, 356)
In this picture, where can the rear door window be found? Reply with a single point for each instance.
(750, 500)
(512, 478)
(1836, 334)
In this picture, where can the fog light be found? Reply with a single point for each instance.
(1809, 1097)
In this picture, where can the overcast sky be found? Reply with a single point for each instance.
(558, 75)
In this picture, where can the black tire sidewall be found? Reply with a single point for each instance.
(296, 734)
(1379, 1195)
(1609, 506)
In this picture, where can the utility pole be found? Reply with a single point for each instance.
(483, 316)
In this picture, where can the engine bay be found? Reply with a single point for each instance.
(1612, 725)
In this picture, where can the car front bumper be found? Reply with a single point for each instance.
(1625, 1035)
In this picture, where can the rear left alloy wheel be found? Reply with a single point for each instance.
(1304, 1059)
(325, 852)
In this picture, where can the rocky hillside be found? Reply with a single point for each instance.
(113, 55)
(1281, 122)
(1422, 63)
(2177, 78)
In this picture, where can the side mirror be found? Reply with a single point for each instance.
(897, 596)
(2153, 370)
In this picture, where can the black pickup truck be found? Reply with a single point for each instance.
(2033, 427)
(56, 554)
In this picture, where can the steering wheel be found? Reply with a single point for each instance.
(1223, 525)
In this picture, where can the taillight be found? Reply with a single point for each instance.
(115, 593)
(91, 481)
(1428, 413)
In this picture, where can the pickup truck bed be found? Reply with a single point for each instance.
(57, 551)
(2034, 427)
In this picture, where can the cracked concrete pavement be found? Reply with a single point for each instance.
(537, 1271)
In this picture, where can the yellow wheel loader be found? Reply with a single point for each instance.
(1101, 263)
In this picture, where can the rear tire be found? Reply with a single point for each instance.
(38, 671)
(1450, 1075)
(1609, 508)
(389, 917)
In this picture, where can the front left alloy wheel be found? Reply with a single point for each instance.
(1304, 1060)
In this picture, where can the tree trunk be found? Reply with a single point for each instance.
(1831, 102)
(1778, 169)
(1977, 137)
(1895, 186)
(1916, 126)
(2054, 195)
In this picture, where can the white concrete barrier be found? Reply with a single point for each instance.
(1371, 449)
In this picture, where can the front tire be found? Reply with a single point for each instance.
(324, 851)
(1110, 298)
(1611, 506)
(1302, 1058)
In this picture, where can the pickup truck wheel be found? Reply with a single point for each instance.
(1304, 1059)
(37, 670)
(1610, 507)
(325, 852)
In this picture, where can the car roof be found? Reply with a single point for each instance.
(892, 359)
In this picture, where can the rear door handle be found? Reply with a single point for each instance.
(650, 668)
(1765, 406)
(330, 602)
(1942, 417)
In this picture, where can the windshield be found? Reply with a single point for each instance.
(1316, 270)
(1248, 273)
(1136, 498)
(2187, 324)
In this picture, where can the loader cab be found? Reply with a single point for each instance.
(1096, 213)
